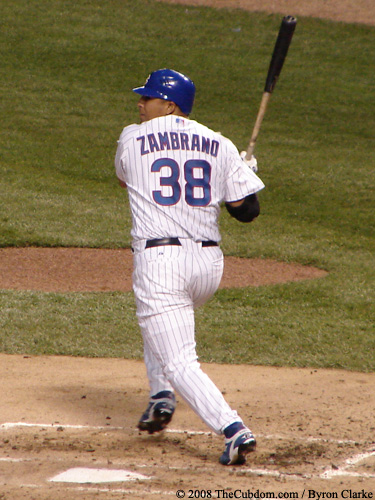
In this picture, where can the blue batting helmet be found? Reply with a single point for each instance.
(170, 85)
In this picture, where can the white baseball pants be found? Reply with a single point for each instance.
(169, 282)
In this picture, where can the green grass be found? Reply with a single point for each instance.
(66, 74)
(92, 324)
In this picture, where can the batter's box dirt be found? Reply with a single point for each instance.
(169, 462)
(307, 423)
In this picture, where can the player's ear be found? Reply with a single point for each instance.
(171, 108)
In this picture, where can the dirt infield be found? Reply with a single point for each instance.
(315, 431)
(350, 11)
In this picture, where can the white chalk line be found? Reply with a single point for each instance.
(343, 470)
(350, 462)
(10, 425)
(15, 460)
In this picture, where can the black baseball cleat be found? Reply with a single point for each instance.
(158, 413)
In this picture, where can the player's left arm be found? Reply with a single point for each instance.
(121, 155)
(244, 210)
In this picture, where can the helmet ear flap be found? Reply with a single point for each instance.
(170, 85)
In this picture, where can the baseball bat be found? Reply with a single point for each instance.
(280, 51)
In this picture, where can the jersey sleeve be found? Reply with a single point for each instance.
(241, 181)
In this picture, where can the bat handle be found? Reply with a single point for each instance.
(262, 110)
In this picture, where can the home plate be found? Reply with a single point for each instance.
(85, 475)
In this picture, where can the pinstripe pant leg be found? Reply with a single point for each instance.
(182, 369)
(155, 373)
(168, 283)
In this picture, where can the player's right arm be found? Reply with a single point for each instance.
(242, 185)
(244, 210)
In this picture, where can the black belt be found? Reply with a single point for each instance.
(175, 241)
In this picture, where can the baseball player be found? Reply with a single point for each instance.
(177, 173)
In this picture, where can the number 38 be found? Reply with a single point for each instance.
(191, 182)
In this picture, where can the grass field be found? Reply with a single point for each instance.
(66, 74)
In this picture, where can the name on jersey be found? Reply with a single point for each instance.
(177, 141)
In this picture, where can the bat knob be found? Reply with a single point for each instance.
(290, 19)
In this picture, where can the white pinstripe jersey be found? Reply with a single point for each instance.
(178, 172)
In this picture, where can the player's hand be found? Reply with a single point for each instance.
(252, 163)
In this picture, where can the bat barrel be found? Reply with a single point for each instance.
(284, 38)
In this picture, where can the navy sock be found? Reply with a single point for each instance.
(232, 429)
